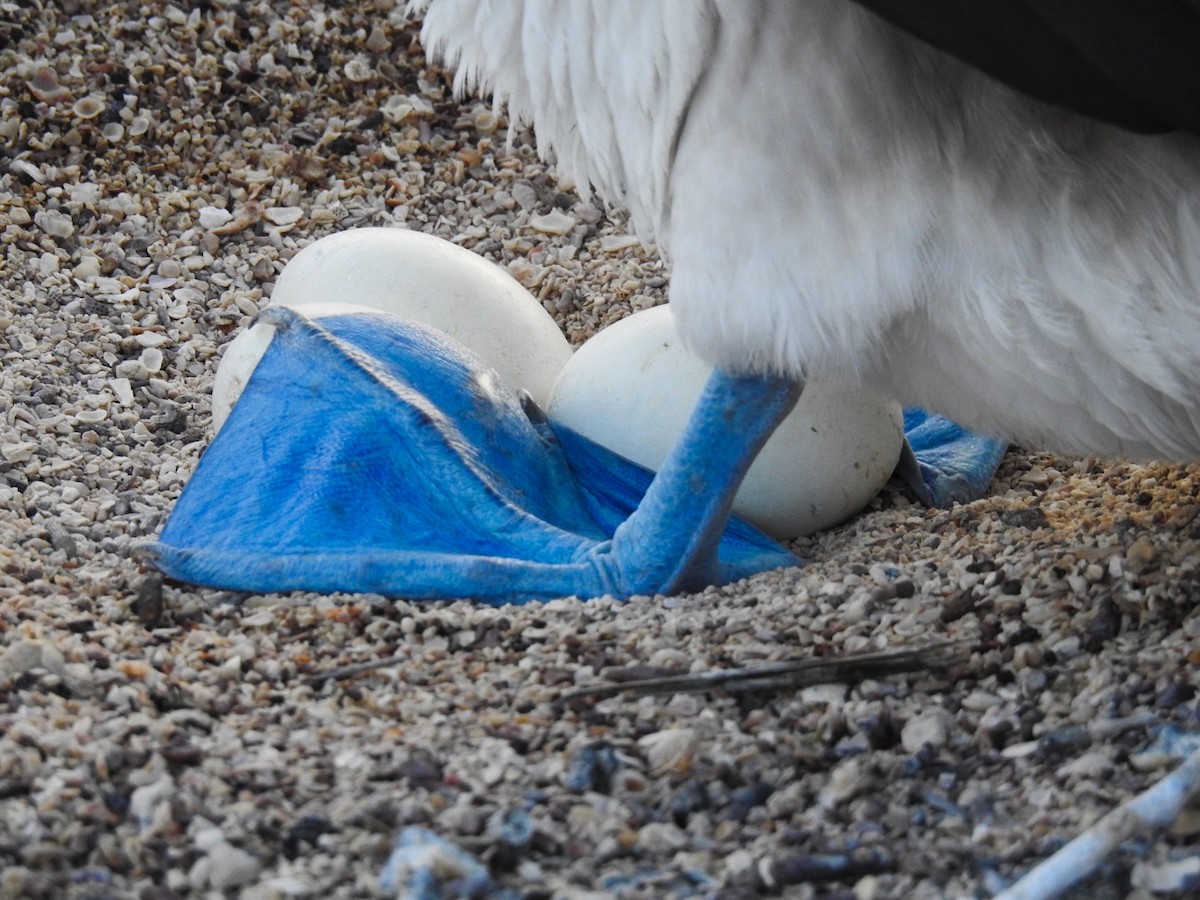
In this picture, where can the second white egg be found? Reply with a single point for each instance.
(632, 387)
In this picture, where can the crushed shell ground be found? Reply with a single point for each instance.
(159, 165)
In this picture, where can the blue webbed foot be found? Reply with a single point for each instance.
(370, 454)
(374, 455)
(943, 463)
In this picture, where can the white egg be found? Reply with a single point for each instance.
(420, 278)
(632, 387)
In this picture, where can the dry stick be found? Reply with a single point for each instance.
(792, 674)
(769, 676)
(1152, 810)
(354, 669)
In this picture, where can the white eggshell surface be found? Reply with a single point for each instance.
(632, 387)
(420, 278)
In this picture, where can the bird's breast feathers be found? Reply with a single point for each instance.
(833, 194)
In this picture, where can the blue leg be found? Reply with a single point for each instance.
(670, 543)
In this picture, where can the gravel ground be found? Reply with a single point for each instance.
(158, 167)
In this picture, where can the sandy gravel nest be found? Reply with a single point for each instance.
(158, 166)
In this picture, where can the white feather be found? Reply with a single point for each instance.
(833, 195)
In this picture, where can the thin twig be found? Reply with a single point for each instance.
(790, 674)
(1152, 810)
(354, 669)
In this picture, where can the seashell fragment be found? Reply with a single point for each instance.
(399, 107)
(44, 85)
(669, 751)
(89, 107)
(283, 215)
(152, 359)
(554, 222)
(377, 41)
(28, 169)
(358, 69)
(486, 122)
(123, 391)
(615, 243)
(247, 217)
(211, 217)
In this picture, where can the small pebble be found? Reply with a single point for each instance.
(1141, 555)
(54, 223)
(661, 838)
(1094, 765)
(553, 222)
(848, 779)
(231, 867)
(170, 268)
(931, 729)
(669, 751)
(524, 195)
(1175, 877)
(213, 217)
(25, 655)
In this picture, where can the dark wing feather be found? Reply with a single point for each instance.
(1133, 63)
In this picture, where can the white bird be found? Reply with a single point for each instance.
(833, 194)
